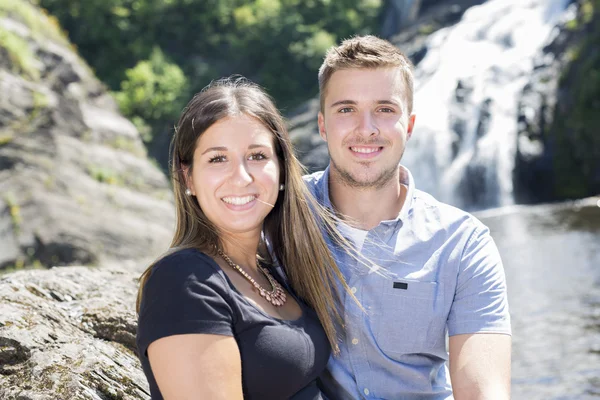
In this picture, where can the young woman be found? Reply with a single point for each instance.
(216, 321)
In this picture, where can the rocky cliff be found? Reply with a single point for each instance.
(558, 148)
(76, 188)
(75, 183)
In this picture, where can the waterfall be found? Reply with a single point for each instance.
(466, 91)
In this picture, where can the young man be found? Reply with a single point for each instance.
(435, 269)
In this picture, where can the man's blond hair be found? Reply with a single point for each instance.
(366, 52)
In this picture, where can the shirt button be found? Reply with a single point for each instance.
(353, 290)
(355, 341)
(366, 391)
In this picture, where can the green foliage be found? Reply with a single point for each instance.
(6, 138)
(277, 43)
(152, 90)
(14, 210)
(104, 175)
(40, 24)
(20, 54)
(587, 11)
(577, 161)
(126, 144)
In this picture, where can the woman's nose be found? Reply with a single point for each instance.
(241, 174)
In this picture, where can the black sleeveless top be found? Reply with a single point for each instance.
(187, 292)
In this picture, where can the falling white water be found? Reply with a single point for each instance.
(466, 96)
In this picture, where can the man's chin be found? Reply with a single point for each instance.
(360, 179)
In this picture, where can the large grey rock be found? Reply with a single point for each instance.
(398, 14)
(69, 333)
(76, 185)
(555, 158)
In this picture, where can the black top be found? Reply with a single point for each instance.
(187, 292)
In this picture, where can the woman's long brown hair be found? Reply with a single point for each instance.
(296, 225)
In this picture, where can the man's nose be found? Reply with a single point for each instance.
(367, 125)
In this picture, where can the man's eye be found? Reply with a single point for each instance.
(386, 110)
(217, 159)
(345, 110)
(258, 156)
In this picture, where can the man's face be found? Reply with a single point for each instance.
(365, 123)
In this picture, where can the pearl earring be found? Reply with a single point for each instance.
(281, 187)
(188, 192)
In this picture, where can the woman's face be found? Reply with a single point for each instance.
(235, 170)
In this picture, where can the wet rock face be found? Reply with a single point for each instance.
(70, 333)
(76, 186)
(558, 151)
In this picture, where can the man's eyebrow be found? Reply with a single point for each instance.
(353, 103)
(219, 148)
(390, 102)
(343, 102)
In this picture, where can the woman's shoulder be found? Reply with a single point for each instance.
(184, 256)
(182, 264)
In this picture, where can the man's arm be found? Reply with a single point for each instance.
(479, 323)
(480, 366)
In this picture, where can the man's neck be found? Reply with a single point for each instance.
(365, 208)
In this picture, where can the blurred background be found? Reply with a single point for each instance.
(507, 97)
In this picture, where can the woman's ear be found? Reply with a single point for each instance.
(189, 184)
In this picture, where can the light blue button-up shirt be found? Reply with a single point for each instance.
(435, 271)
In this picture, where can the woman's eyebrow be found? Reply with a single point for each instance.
(219, 148)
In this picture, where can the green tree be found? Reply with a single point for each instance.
(152, 92)
(276, 43)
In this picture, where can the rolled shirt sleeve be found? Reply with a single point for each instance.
(480, 302)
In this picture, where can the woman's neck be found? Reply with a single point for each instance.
(242, 249)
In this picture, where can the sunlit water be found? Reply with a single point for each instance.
(466, 96)
(552, 262)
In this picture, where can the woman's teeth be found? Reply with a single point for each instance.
(238, 201)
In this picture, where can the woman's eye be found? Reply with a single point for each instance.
(258, 156)
(217, 159)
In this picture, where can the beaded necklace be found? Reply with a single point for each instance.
(275, 296)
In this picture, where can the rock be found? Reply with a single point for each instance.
(76, 185)
(398, 14)
(558, 150)
(76, 188)
(69, 333)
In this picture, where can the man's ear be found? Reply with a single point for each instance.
(411, 124)
(321, 123)
(189, 184)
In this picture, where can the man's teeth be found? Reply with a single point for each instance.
(365, 149)
(239, 201)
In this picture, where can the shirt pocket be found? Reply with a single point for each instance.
(404, 316)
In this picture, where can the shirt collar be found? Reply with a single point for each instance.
(406, 178)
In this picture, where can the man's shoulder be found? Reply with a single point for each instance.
(313, 182)
(314, 178)
(426, 206)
